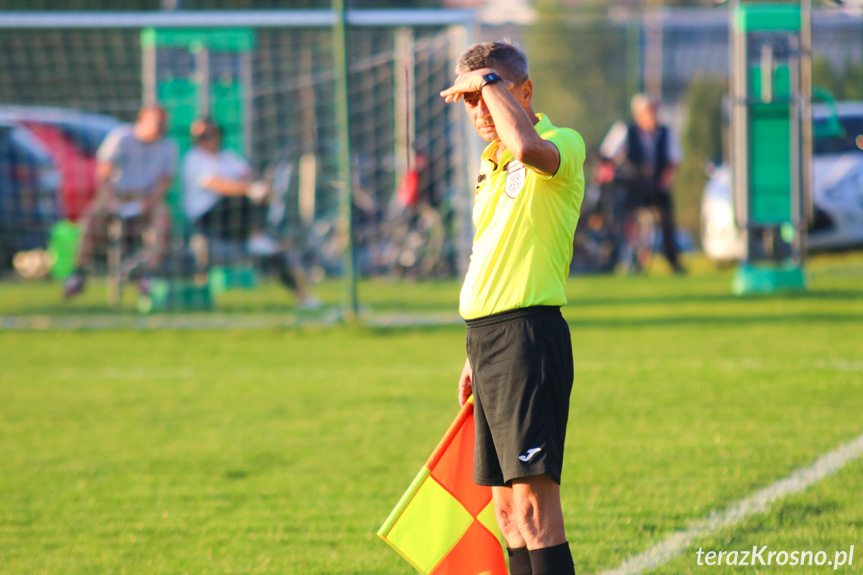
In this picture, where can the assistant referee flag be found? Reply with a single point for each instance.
(444, 524)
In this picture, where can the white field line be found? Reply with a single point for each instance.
(675, 544)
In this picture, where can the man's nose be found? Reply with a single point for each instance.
(482, 109)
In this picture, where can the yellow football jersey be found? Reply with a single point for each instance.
(525, 222)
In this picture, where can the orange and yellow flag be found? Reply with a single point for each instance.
(444, 524)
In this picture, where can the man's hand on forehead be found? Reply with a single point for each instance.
(468, 86)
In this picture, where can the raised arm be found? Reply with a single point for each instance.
(503, 111)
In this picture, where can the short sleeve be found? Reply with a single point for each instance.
(191, 169)
(571, 148)
(196, 199)
(111, 148)
(615, 144)
(675, 151)
(235, 165)
(169, 159)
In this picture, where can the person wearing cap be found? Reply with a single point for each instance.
(222, 200)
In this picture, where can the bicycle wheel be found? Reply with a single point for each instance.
(646, 237)
(418, 242)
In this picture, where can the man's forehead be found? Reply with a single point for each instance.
(502, 73)
(153, 115)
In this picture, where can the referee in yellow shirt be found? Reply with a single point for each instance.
(519, 365)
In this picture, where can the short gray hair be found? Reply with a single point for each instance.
(505, 57)
(641, 101)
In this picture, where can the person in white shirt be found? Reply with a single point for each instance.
(651, 152)
(223, 201)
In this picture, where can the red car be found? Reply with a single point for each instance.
(72, 138)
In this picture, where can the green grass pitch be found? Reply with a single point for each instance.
(282, 451)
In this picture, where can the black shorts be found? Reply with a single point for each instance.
(522, 380)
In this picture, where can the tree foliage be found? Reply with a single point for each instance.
(845, 83)
(702, 142)
(579, 68)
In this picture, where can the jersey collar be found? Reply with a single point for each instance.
(542, 126)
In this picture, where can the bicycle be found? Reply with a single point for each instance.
(639, 232)
(406, 236)
(632, 221)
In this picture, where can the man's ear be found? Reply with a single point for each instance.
(524, 92)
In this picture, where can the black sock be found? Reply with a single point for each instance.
(555, 560)
(519, 561)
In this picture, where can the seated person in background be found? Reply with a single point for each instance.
(222, 201)
(135, 166)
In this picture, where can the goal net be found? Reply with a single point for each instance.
(266, 80)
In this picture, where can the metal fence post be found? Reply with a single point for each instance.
(343, 158)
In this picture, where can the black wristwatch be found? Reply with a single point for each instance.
(490, 78)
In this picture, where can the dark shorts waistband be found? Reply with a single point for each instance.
(509, 315)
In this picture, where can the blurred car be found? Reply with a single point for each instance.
(72, 137)
(29, 188)
(837, 191)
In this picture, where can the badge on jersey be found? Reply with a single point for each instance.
(514, 178)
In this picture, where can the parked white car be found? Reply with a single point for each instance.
(837, 170)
